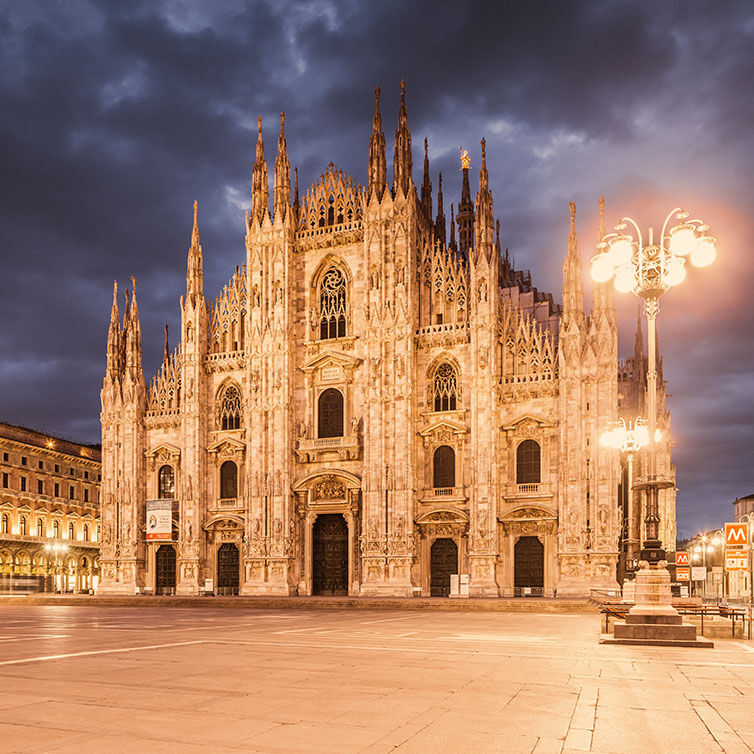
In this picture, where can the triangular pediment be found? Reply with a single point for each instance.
(330, 358)
(527, 420)
(226, 444)
(443, 425)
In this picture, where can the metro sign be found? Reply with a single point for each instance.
(736, 535)
(682, 573)
(682, 559)
(736, 560)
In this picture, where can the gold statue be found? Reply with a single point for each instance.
(465, 161)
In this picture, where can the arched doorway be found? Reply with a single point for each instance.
(442, 562)
(529, 564)
(227, 569)
(330, 566)
(165, 567)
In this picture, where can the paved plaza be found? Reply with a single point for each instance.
(142, 679)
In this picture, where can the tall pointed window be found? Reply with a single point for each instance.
(166, 482)
(444, 467)
(445, 388)
(228, 480)
(330, 414)
(528, 456)
(40, 528)
(22, 526)
(229, 413)
(332, 305)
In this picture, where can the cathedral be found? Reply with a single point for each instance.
(376, 402)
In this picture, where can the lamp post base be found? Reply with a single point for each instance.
(653, 617)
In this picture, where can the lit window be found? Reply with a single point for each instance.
(166, 482)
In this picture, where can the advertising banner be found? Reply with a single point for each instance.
(159, 520)
(682, 573)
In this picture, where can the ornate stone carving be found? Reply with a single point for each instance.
(330, 488)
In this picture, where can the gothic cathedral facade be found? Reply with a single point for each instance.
(374, 403)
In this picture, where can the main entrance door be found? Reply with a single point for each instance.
(227, 569)
(165, 566)
(443, 561)
(529, 563)
(330, 567)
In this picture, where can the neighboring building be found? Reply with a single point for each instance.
(49, 511)
(373, 404)
(743, 506)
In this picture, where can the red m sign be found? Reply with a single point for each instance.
(736, 535)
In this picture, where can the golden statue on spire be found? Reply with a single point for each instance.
(465, 160)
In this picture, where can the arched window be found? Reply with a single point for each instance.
(71, 532)
(166, 482)
(229, 414)
(330, 414)
(56, 529)
(528, 462)
(444, 467)
(22, 526)
(40, 528)
(5, 523)
(86, 532)
(445, 388)
(228, 480)
(332, 305)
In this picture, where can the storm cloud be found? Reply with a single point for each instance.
(116, 116)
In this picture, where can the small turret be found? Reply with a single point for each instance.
(426, 194)
(465, 216)
(602, 293)
(166, 355)
(282, 198)
(260, 190)
(113, 339)
(484, 219)
(452, 243)
(402, 160)
(573, 291)
(440, 219)
(296, 203)
(133, 341)
(195, 267)
(377, 160)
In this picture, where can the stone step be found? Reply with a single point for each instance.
(700, 642)
(502, 605)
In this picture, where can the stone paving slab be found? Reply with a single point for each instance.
(285, 680)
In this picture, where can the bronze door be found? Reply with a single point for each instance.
(330, 567)
(443, 561)
(227, 569)
(165, 566)
(529, 563)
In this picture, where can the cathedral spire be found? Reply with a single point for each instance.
(282, 175)
(402, 161)
(465, 215)
(573, 291)
(452, 244)
(133, 339)
(426, 195)
(377, 160)
(195, 267)
(113, 337)
(296, 203)
(602, 293)
(440, 219)
(166, 355)
(484, 219)
(260, 189)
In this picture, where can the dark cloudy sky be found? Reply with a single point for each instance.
(116, 116)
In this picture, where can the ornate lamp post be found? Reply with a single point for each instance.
(628, 440)
(649, 270)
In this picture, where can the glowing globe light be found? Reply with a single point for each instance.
(602, 268)
(621, 250)
(658, 435)
(624, 279)
(704, 252)
(682, 240)
(676, 271)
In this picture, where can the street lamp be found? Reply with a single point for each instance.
(649, 270)
(629, 440)
(57, 548)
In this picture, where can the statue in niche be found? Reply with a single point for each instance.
(302, 429)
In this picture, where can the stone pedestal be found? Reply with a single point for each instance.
(653, 620)
(629, 591)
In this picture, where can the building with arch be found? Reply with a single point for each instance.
(377, 400)
(49, 512)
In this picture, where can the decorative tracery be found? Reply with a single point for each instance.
(332, 305)
(229, 410)
(445, 388)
